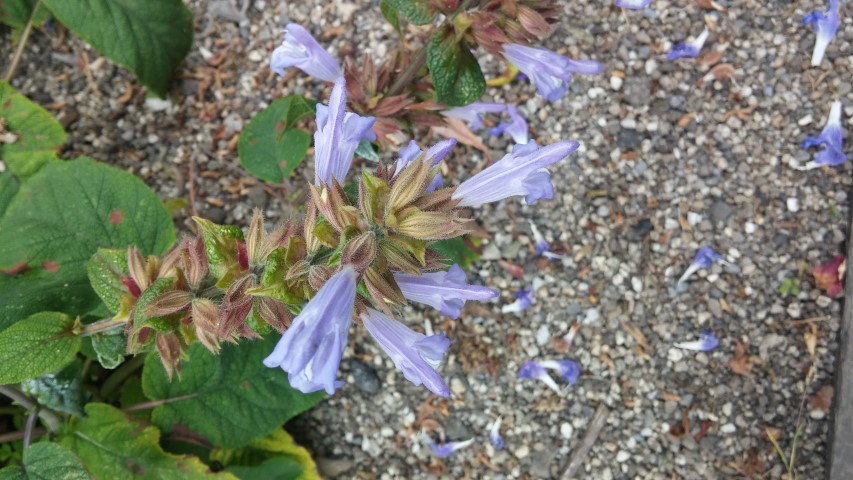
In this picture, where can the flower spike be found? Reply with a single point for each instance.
(826, 26)
(444, 291)
(310, 350)
(550, 71)
(831, 138)
(302, 51)
(707, 342)
(688, 49)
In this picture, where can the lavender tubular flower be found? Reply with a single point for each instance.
(826, 26)
(434, 154)
(495, 437)
(688, 49)
(445, 450)
(535, 371)
(516, 127)
(521, 172)
(302, 51)
(541, 246)
(523, 300)
(415, 354)
(474, 113)
(444, 291)
(633, 4)
(337, 136)
(707, 342)
(704, 258)
(831, 138)
(568, 369)
(549, 71)
(310, 350)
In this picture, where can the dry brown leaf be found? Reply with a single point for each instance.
(811, 339)
(710, 58)
(638, 335)
(685, 120)
(742, 362)
(710, 5)
(822, 399)
(673, 397)
(516, 271)
(457, 129)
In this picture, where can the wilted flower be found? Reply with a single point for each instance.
(829, 275)
(337, 136)
(495, 435)
(633, 4)
(415, 354)
(688, 49)
(444, 450)
(540, 245)
(310, 350)
(523, 300)
(707, 342)
(831, 138)
(568, 369)
(550, 72)
(300, 50)
(704, 258)
(516, 126)
(826, 26)
(444, 291)
(521, 172)
(532, 369)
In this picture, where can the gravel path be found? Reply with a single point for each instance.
(665, 167)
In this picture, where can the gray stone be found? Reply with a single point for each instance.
(364, 377)
(720, 211)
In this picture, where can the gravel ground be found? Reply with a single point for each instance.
(665, 167)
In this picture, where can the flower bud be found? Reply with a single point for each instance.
(360, 251)
(169, 347)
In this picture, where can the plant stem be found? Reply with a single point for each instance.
(418, 61)
(50, 419)
(157, 403)
(100, 326)
(121, 374)
(22, 42)
(13, 436)
(28, 429)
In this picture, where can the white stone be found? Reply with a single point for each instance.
(805, 121)
(616, 82)
(793, 204)
(622, 456)
(566, 430)
(728, 428)
(637, 284)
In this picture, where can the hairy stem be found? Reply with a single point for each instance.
(100, 326)
(122, 373)
(50, 419)
(22, 42)
(418, 61)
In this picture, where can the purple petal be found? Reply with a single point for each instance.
(826, 27)
(495, 437)
(688, 49)
(302, 51)
(310, 350)
(415, 354)
(444, 291)
(633, 4)
(474, 113)
(531, 369)
(444, 450)
(568, 369)
(831, 138)
(707, 342)
(705, 257)
(434, 154)
(549, 71)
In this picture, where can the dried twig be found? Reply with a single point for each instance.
(595, 426)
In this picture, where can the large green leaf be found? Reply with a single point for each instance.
(47, 461)
(61, 391)
(8, 189)
(462, 250)
(115, 446)
(418, 12)
(16, 13)
(230, 398)
(35, 135)
(149, 37)
(258, 457)
(42, 343)
(58, 219)
(275, 468)
(105, 270)
(455, 71)
(271, 146)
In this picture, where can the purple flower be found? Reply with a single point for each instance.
(415, 354)
(495, 435)
(516, 127)
(550, 72)
(300, 50)
(541, 245)
(831, 138)
(704, 258)
(535, 371)
(474, 113)
(826, 26)
(337, 136)
(310, 350)
(569, 369)
(444, 291)
(434, 154)
(688, 49)
(521, 172)
(633, 4)
(445, 450)
(523, 300)
(707, 342)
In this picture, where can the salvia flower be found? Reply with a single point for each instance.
(415, 354)
(568, 369)
(541, 246)
(706, 342)
(633, 4)
(475, 113)
(704, 258)
(831, 139)
(521, 172)
(434, 154)
(495, 437)
(444, 291)
(688, 49)
(549, 71)
(516, 126)
(534, 370)
(523, 300)
(300, 50)
(337, 136)
(444, 450)
(310, 350)
(826, 26)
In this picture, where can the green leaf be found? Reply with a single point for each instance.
(271, 146)
(275, 468)
(110, 349)
(366, 151)
(461, 250)
(116, 447)
(62, 391)
(105, 270)
(455, 71)
(58, 219)
(278, 445)
(231, 398)
(8, 189)
(42, 343)
(16, 13)
(389, 11)
(418, 12)
(149, 37)
(35, 133)
(47, 461)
